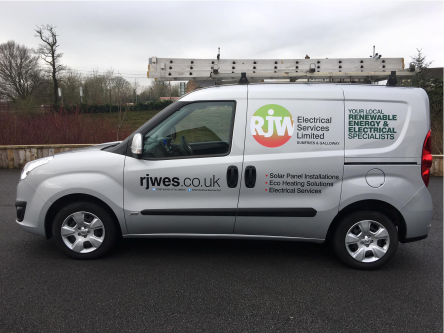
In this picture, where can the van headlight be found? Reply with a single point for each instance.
(34, 164)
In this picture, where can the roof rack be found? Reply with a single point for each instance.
(218, 71)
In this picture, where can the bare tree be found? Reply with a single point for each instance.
(19, 71)
(175, 90)
(109, 82)
(159, 89)
(71, 83)
(49, 54)
(136, 87)
(95, 85)
(145, 94)
(106, 88)
(122, 86)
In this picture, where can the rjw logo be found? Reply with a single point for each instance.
(272, 125)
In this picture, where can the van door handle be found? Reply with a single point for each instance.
(232, 176)
(250, 176)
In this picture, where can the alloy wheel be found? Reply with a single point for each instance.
(367, 241)
(83, 232)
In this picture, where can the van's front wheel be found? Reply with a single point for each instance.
(365, 240)
(83, 230)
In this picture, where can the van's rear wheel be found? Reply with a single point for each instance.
(84, 230)
(365, 240)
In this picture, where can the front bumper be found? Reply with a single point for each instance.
(33, 211)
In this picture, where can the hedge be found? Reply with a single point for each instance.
(106, 108)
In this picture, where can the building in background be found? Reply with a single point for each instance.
(169, 98)
(436, 73)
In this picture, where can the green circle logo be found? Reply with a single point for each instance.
(272, 125)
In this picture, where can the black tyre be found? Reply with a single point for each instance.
(84, 230)
(365, 240)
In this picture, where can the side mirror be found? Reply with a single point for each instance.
(136, 146)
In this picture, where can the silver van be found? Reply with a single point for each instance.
(348, 164)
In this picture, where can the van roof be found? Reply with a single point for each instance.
(298, 83)
(346, 86)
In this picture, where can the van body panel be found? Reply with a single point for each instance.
(93, 172)
(306, 171)
(417, 213)
(228, 92)
(36, 207)
(185, 197)
(399, 184)
(385, 122)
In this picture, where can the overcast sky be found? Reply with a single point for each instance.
(123, 35)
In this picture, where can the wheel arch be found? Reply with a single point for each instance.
(76, 197)
(375, 205)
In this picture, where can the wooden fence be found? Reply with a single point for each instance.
(436, 169)
(17, 156)
(5, 106)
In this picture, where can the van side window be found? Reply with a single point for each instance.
(197, 129)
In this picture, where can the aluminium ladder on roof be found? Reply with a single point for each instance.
(227, 70)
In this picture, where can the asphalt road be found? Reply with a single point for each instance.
(214, 285)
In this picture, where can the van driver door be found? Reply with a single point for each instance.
(189, 177)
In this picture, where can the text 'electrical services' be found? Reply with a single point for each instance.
(313, 127)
